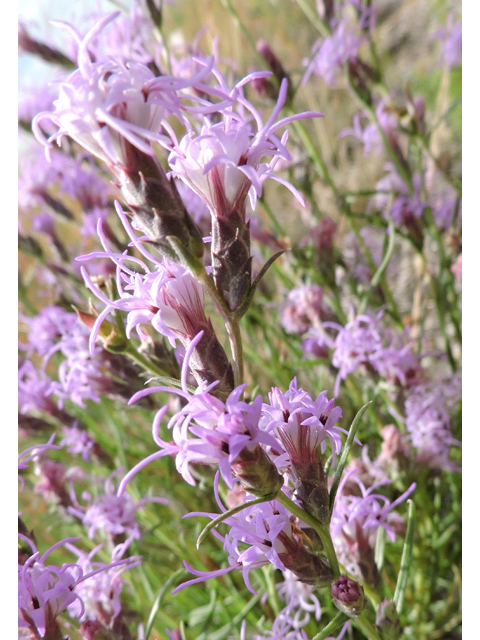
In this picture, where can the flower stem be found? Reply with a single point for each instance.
(322, 530)
(231, 323)
(364, 624)
(332, 626)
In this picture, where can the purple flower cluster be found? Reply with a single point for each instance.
(302, 308)
(81, 375)
(428, 408)
(355, 523)
(109, 512)
(450, 40)
(366, 343)
(45, 590)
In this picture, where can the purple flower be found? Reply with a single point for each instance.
(109, 512)
(302, 308)
(47, 329)
(77, 441)
(427, 417)
(370, 136)
(365, 343)
(302, 424)
(168, 298)
(44, 591)
(272, 537)
(33, 452)
(222, 163)
(355, 523)
(406, 207)
(100, 594)
(34, 387)
(450, 40)
(104, 104)
(330, 54)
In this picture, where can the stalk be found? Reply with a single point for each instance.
(322, 530)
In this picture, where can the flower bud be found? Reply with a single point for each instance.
(348, 596)
(387, 621)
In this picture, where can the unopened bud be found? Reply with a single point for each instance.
(387, 621)
(308, 567)
(348, 596)
(275, 65)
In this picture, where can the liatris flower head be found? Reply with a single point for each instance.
(44, 591)
(450, 40)
(302, 426)
(78, 441)
(169, 299)
(428, 422)
(355, 523)
(107, 105)
(272, 536)
(348, 596)
(370, 136)
(100, 594)
(365, 343)
(302, 308)
(109, 512)
(226, 433)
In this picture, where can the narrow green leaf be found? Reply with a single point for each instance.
(380, 548)
(399, 594)
(158, 600)
(346, 450)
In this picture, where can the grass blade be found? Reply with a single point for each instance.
(399, 594)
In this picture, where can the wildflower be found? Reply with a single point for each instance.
(302, 425)
(169, 299)
(226, 433)
(450, 40)
(109, 512)
(330, 54)
(104, 104)
(427, 419)
(302, 308)
(77, 441)
(272, 537)
(33, 452)
(370, 136)
(100, 594)
(406, 207)
(355, 523)
(365, 343)
(44, 591)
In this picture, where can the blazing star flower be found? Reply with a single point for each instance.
(100, 594)
(34, 387)
(169, 299)
(427, 418)
(450, 39)
(355, 523)
(330, 54)
(47, 328)
(364, 342)
(222, 164)
(104, 104)
(370, 136)
(302, 424)
(44, 591)
(302, 308)
(77, 441)
(272, 537)
(406, 208)
(109, 512)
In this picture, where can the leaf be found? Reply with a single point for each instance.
(399, 594)
(345, 452)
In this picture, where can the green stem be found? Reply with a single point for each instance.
(334, 624)
(364, 624)
(231, 323)
(322, 530)
(149, 366)
(235, 338)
